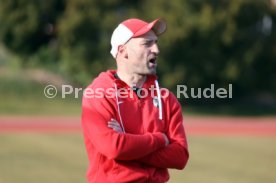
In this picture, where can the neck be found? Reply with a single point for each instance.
(132, 79)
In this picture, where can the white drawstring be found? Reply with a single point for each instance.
(159, 104)
(159, 100)
(119, 112)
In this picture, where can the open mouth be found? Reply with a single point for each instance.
(153, 60)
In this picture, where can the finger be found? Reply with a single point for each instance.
(114, 123)
(115, 128)
(111, 124)
(119, 130)
(112, 119)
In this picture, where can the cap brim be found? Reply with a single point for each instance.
(158, 26)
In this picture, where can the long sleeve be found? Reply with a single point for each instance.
(95, 115)
(176, 154)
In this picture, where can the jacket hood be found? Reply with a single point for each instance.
(107, 80)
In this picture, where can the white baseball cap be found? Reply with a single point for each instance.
(133, 28)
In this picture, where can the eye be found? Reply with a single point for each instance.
(147, 43)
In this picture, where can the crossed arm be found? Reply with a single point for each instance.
(113, 124)
(173, 155)
(155, 149)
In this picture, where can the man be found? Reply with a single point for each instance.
(133, 131)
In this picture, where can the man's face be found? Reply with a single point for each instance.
(142, 54)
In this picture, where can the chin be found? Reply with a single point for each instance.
(152, 72)
(149, 72)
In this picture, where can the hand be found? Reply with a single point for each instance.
(166, 139)
(115, 125)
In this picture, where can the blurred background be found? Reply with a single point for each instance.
(68, 42)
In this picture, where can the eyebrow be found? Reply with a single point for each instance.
(150, 40)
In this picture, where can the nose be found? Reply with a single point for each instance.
(155, 49)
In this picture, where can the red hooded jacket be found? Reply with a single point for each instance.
(139, 154)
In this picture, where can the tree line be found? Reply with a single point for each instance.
(207, 41)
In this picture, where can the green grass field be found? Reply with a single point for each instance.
(48, 158)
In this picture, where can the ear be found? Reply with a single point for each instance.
(123, 51)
